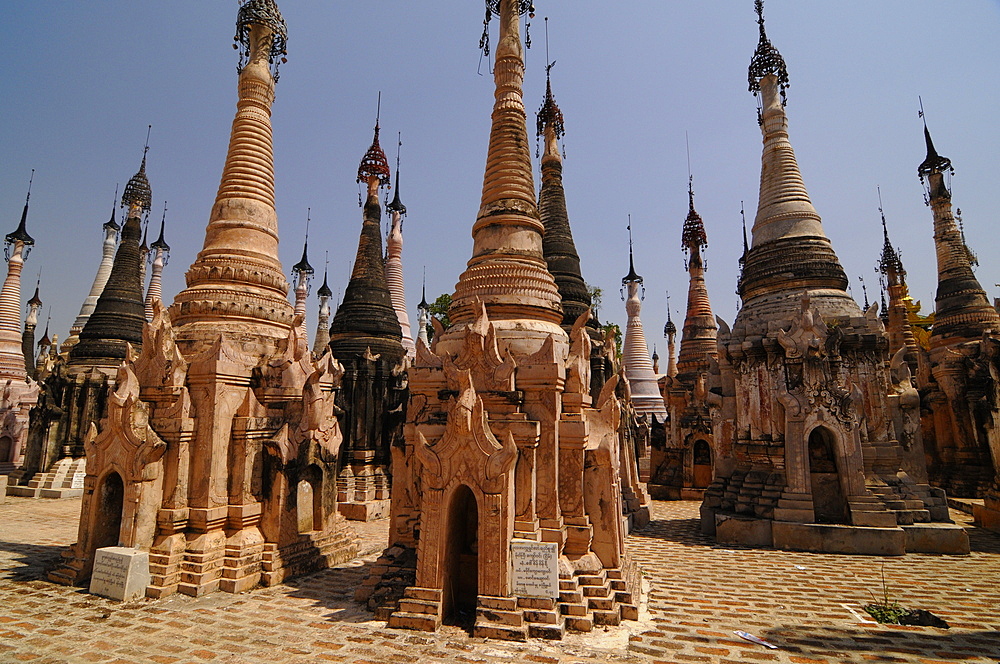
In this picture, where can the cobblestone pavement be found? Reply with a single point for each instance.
(700, 592)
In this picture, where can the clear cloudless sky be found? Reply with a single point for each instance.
(83, 79)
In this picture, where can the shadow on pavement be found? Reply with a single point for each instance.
(29, 561)
(333, 589)
(886, 642)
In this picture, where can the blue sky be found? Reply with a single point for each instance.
(84, 79)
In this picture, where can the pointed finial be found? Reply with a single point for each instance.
(693, 237)
(112, 223)
(261, 12)
(423, 306)
(933, 162)
(864, 290)
(766, 59)
(632, 276)
(303, 266)
(160, 243)
(396, 205)
(669, 329)
(20, 234)
(549, 114)
(36, 301)
(324, 290)
(889, 261)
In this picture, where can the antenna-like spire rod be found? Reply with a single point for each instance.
(31, 179)
(145, 148)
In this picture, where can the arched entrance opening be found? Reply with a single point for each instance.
(460, 590)
(702, 464)
(108, 520)
(829, 503)
(309, 500)
(6, 449)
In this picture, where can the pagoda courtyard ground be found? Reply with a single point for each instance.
(699, 592)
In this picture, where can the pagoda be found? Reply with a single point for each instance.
(366, 339)
(218, 453)
(816, 456)
(507, 457)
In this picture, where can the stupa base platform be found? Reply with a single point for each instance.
(987, 515)
(743, 530)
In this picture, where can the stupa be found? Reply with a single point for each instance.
(218, 454)
(18, 391)
(366, 339)
(507, 464)
(683, 467)
(816, 458)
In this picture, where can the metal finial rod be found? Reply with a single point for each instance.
(378, 109)
(687, 144)
(548, 63)
(880, 211)
(145, 148)
(308, 214)
(31, 179)
(920, 113)
(399, 144)
(629, 227)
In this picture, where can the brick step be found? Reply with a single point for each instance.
(418, 621)
(584, 623)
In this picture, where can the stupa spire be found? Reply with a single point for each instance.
(788, 250)
(698, 342)
(366, 319)
(303, 272)
(507, 271)
(111, 230)
(119, 314)
(28, 334)
(16, 247)
(557, 243)
(962, 311)
(160, 254)
(423, 312)
(394, 262)
(670, 333)
(646, 397)
(891, 267)
(237, 282)
(323, 320)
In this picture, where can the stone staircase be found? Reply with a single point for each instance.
(64, 480)
(313, 551)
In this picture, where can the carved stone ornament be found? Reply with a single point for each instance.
(468, 449)
(126, 441)
(909, 398)
(489, 369)
(160, 364)
(578, 364)
(807, 335)
(319, 422)
(292, 364)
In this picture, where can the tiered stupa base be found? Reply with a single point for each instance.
(600, 597)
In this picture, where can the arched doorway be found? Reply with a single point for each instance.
(702, 464)
(829, 503)
(461, 559)
(309, 500)
(6, 449)
(108, 520)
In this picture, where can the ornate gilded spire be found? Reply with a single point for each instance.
(766, 60)
(138, 195)
(264, 13)
(374, 164)
(237, 283)
(507, 271)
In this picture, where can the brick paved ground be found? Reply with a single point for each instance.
(699, 593)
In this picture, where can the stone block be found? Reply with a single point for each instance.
(3, 489)
(986, 517)
(120, 573)
(748, 531)
(835, 538)
(873, 519)
(936, 538)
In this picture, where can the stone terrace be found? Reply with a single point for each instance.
(699, 593)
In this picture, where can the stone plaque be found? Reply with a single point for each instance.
(120, 573)
(536, 568)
